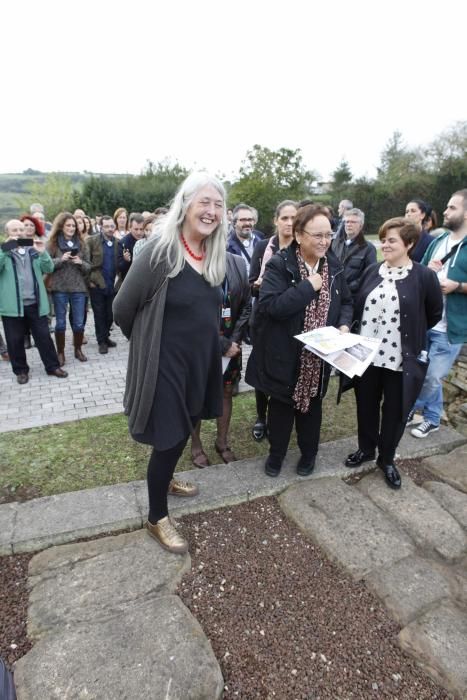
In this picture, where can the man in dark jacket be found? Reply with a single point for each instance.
(127, 243)
(102, 250)
(243, 239)
(352, 249)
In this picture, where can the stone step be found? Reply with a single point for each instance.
(417, 512)
(451, 468)
(351, 529)
(152, 649)
(88, 581)
(438, 641)
(452, 500)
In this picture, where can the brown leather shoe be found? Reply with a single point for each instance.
(22, 378)
(60, 373)
(182, 488)
(165, 532)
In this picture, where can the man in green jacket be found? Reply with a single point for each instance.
(23, 300)
(447, 256)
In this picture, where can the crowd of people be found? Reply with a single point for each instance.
(191, 284)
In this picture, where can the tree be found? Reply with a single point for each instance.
(155, 187)
(267, 177)
(449, 146)
(342, 176)
(56, 193)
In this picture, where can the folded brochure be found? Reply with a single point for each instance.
(347, 352)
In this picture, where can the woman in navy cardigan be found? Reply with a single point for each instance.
(397, 302)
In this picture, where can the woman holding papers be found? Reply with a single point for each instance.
(169, 306)
(397, 302)
(303, 288)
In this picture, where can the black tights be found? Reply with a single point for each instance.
(161, 469)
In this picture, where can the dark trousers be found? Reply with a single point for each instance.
(103, 318)
(281, 418)
(15, 330)
(161, 469)
(379, 429)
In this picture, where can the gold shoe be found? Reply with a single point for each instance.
(168, 536)
(182, 488)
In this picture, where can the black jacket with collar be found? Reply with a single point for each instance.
(421, 307)
(274, 363)
(355, 258)
(240, 301)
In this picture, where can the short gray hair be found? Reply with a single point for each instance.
(346, 203)
(356, 212)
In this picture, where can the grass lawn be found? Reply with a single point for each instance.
(98, 451)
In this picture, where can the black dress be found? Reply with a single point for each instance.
(189, 382)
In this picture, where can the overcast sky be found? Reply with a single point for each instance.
(105, 86)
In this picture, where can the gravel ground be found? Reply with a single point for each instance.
(13, 607)
(283, 621)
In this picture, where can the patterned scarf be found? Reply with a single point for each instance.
(316, 314)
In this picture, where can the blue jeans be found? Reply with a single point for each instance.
(442, 356)
(77, 301)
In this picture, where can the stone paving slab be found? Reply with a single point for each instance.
(154, 649)
(419, 514)
(455, 502)
(438, 641)
(452, 468)
(7, 523)
(346, 524)
(409, 586)
(43, 522)
(75, 583)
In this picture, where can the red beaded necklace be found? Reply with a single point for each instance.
(190, 252)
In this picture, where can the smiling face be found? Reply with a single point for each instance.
(69, 228)
(395, 252)
(315, 239)
(284, 222)
(29, 229)
(204, 214)
(244, 220)
(414, 214)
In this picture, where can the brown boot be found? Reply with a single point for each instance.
(60, 343)
(78, 341)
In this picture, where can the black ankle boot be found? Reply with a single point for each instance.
(272, 466)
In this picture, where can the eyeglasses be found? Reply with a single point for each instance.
(245, 221)
(319, 236)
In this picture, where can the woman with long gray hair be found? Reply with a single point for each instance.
(168, 307)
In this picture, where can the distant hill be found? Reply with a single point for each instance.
(14, 186)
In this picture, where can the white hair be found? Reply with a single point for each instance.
(167, 230)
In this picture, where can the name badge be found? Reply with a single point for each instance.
(69, 244)
(110, 243)
(226, 313)
(21, 251)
